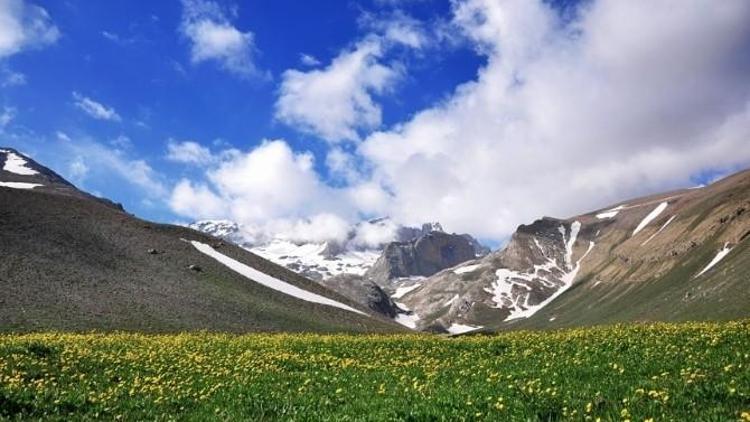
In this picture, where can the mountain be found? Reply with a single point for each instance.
(372, 274)
(681, 255)
(423, 256)
(356, 254)
(75, 262)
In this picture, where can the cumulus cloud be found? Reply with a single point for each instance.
(95, 109)
(196, 201)
(316, 228)
(24, 26)
(189, 152)
(213, 37)
(341, 101)
(567, 115)
(336, 101)
(270, 188)
(373, 234)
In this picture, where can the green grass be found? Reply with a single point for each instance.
(694, 371)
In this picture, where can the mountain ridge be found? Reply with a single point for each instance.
(75, 263)
(642, 242)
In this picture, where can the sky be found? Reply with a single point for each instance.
(298, 119)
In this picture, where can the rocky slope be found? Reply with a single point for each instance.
(373, 276)
(323, 260)
(676, 256)
(422, 256)
(75, 262)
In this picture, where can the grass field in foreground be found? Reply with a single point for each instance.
(696, 371)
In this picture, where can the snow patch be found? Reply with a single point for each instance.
(650, 217)
(610, 213)
(719, 256)
(14, 163)
(460, 328)
(312, 257)
(401, 291)
(466, 268)
(549, 274)
(452, 300)
(408, 318)
(574, 229)
(19, 185)
(269, 281)
(660, 229)
(567, 280)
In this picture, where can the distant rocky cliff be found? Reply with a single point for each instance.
(423, 256)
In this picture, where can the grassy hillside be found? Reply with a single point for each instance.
(72, 263)
(720, 294)
(638, 372)
(657, 282)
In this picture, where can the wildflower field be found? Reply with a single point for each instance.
(695, 371)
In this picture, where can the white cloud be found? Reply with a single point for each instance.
(398, 28)
(10, 78)
(136, 172)
(121, 142)
(188, 152)
(308, 60)
(270, 188)
(316, 228)
(369, 197)
(565, 116)
(111, 36)
(337, 101)
(24, 26)
(197, 202)
(62, 136)
(82, 159)
(8, 114)
(78, 169)
(214, 38)
(628, 98)
(340, 101)
(95, 109)
(373, 234)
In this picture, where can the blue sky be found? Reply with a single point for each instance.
(290, 116)
(131, 57)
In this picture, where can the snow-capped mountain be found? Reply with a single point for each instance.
(681, 255)
(72, 261)
(323, 260)
(678, 255)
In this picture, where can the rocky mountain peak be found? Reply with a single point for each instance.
(18, 171)
(423, 256)
(428, 228)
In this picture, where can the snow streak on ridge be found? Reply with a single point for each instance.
(650, 217)
(269, 281)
